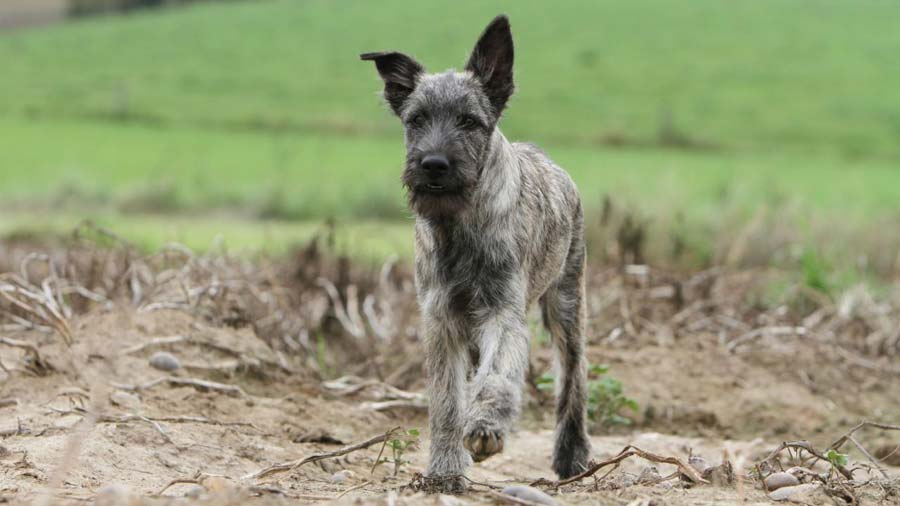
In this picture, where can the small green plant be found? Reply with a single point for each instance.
(815, 272)
(400, 443)
(606, 397)
(322, 356)
(836, 458)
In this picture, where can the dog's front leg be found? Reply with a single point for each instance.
(447, 366)
(496, 389)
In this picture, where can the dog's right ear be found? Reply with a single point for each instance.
(399, 73)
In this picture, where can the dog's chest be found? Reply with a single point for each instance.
(475, 271)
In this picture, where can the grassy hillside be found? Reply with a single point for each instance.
(756, 75)
(701, 109)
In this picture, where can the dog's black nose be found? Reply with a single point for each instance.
(435, 165)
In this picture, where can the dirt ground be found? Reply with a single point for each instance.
(95, 422)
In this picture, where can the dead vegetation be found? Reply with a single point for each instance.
(277, 359)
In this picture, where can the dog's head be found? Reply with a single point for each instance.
(449, 118)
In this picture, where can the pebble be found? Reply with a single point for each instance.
(341, 476)
(194, 491)
(780, 480)
(795, 493)
(529, 494)
(164, 361)
(698, 463)
(649, 476)
(113, 494)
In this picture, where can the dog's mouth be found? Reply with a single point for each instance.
(436, 189)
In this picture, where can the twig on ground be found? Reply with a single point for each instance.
(155, 421)
(386, 396)
(198, 479)
(764, 331)
(351, 489)
(482, 484)
(177, 481)
(158, 341)
(849, 437)
(807, 447)
(398, 403)
(197, 383)
(272, 489)
(628, 451)
(869, 456)
(294, 464)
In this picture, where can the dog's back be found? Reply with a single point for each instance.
(555, 225)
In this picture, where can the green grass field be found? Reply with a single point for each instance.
(703, 109)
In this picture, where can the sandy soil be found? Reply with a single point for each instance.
(707, 403)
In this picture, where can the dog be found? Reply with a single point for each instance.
(499, 226)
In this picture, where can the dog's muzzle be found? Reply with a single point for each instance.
(435, 168)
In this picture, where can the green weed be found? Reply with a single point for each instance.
(403, 441)
(606, 398)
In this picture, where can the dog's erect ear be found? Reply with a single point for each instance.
(492, 62)
(399, 73)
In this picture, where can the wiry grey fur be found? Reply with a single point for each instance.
(499, 226)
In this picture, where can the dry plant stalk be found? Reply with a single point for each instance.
(294, 464)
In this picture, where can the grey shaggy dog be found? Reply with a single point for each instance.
(499, 226)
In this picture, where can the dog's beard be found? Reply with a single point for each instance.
(441, 206)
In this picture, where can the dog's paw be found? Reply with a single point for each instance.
(483, 440)
(443, 484)
(572, 454)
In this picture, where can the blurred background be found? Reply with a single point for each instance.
(202, 221)
(699, 133)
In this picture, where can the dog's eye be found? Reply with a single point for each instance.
(417, 119)
(468, 123)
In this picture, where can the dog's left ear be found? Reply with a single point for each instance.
(492, 62)
(399, 73)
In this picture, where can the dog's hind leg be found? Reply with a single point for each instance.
(563, 310)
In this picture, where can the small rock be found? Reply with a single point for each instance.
(125, 400)
(780, 480)
(341, 476)
(649, 476)
(529, 494)
(194, 491)
(164, 361)
(449, 500)
(805, 493)
(113, 494)
(698, 463)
